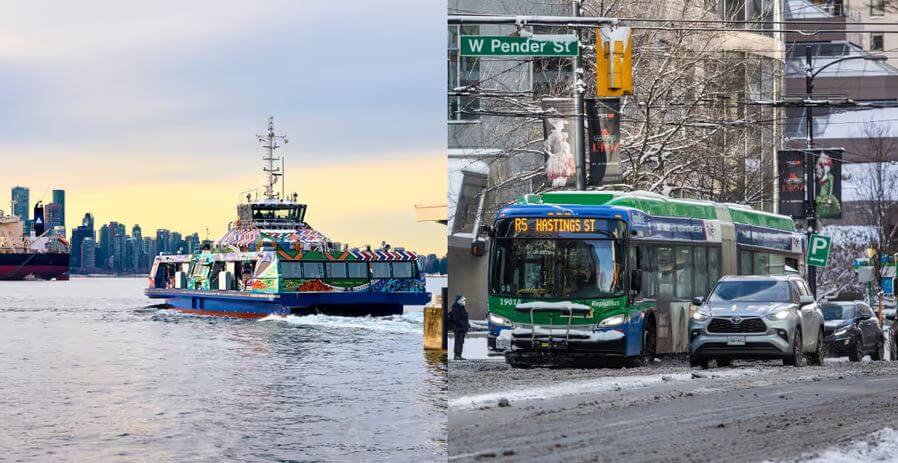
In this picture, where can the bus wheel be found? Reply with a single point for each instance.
(647, 352)
(516, 360)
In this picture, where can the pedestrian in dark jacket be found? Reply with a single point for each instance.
(458, 321)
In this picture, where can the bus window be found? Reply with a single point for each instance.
(713, 266)
(760, 263)
(312, 270)
(403, 270)
(684, 272)
(380, 270)
(648, 271)
(290, 270)
(336, 269)
(665, 271)
(745, 263)
(777, 264)
(358, 270)
(700, 254)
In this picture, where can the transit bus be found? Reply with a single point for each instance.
(582, 274)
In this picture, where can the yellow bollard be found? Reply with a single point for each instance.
(433, 325)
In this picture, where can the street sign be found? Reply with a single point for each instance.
(535, 45)
(888, 285)
(818, 250)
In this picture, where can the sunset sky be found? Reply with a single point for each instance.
(146, 112)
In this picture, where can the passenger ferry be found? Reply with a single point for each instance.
(272, 262)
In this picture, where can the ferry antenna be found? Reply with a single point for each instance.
(272, 171)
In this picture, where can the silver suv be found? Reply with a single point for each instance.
(757, 317)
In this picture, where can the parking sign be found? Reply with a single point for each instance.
(818, 250)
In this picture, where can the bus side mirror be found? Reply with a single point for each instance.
(487, 230)
(478, 248)
(636, 280)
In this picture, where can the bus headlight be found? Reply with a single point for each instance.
(613, 321)
(497, 320)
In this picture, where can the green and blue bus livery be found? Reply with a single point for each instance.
(607, 274)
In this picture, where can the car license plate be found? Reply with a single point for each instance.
(735, 340)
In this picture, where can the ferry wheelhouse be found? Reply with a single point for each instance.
(272, 262)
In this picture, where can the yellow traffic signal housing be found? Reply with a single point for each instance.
(614, 61)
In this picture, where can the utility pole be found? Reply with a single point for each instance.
(810, 184)
(579, 135)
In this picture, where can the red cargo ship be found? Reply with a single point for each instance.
(41, 257)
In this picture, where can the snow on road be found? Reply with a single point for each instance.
(880, 446)
(592, 386)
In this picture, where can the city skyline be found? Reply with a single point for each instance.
(153, 120)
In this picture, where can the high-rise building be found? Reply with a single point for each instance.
(79, 234)
(192, 243)
(163, 241)
(119, 249)
(20, 206)
(87, 255)
(104, 249)
(59, 198)
(177, 243)
(88, 220)
(148, 252)
(53, 215)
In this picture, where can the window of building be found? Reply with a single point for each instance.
(463, 71)
(358, 270)
(876, 41)
(877, 7)
(380, 270)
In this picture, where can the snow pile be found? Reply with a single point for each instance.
(400, 324)
(592, 386)
(881, 445)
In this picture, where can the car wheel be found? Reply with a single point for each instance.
(695, 362)
(517, 361)
(857, 353)
(816, 358)
(724, 362)
(880, 352)
(795, 357)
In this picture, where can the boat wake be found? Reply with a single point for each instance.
(401, 324)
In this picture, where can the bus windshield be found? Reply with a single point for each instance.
(557, 269)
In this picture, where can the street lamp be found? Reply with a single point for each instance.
(810, 194)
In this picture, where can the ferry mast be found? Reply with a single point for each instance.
(272, 171)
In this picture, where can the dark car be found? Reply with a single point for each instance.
(851, 329)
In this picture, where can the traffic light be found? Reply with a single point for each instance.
(614, 63)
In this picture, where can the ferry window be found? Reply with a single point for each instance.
(313, 270)
(402, 270)
(290, 270)
(713, 266)
(665, 269)
(358, 270)
(745, 263)
(336, 269)
(199, 270)
(380, 270)
(700, 254)
(684, 272)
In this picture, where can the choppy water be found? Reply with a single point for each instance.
(88, 373)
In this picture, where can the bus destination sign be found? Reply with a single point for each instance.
(554, 225)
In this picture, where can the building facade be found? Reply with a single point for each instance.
(21, 206)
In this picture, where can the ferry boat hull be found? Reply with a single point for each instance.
(240, 304)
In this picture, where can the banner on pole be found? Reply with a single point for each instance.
(559, 142)
(603, 129)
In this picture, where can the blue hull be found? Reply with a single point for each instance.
(256, 305)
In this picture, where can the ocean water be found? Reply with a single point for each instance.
(89, 371)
